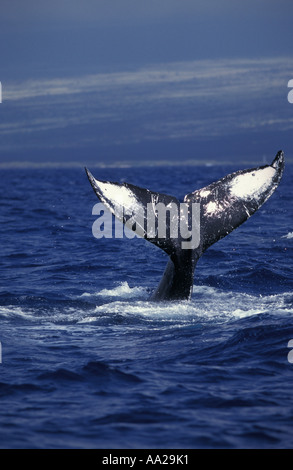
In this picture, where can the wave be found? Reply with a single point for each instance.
(288, 236)
(93, 371)
(207, 304)
(122, 290)
(128, 304)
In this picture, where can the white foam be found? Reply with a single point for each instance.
(178, 313)
(11, 311)
(208, 304)
(288, 236)
(239, 313)
(122, 290)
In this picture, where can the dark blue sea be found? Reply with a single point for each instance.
(87, 361)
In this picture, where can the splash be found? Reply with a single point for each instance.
(288, 236)
(122, 290)
(208, 305)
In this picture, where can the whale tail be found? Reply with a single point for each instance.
(186, 230)
(140, 209)
(230, 201)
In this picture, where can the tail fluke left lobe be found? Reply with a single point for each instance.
(137, 208)
(224, 206)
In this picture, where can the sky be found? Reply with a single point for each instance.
(114, 81)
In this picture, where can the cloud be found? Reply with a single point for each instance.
(170, 80)
(178, 101)
(39, 38)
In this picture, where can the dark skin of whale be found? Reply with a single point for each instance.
(224, 205)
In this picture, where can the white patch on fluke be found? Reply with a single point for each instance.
(204, 193)
(252, 184)
(216, 207)
(122, 202)
(211, 208)
(118, 195)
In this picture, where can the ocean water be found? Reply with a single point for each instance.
(87, 361)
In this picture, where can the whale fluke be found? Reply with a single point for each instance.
(220, 208)
(129, 203)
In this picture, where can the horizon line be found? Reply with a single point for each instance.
(131, 164)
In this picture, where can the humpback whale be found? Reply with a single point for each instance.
(223, 206)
